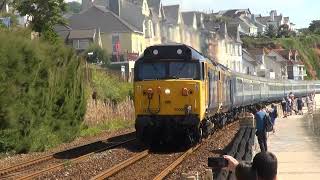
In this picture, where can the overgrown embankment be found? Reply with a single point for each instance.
(42, 100)
(307, 45)
(113, 108)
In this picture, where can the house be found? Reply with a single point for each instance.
(275, 20)
(249, 63)
(117, 35)
(172, 27)
(138, 13)
(295, 67)
(224, 46)
(243, 18)
(261, 28)
(277, 64)
(191, 33)
(259, 54)
(81, 39)
(271, 64)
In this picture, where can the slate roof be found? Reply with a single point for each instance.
(188, 18)
(233, 12)
(82, 34)
(172, 14)
(155, 4)
(265, 19)
(63, 31)
(283, 52)
(256, 51)
(248, 57)
(132, 13)
(233, 31)
(220, 29)
(98, 17)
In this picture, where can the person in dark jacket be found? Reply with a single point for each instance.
(261, 129)
(300, 105)
(284, 107)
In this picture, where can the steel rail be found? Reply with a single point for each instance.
(78, 159)
(113, 170)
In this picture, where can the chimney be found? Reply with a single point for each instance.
(253, 17)
(273, 13)
(114, 6)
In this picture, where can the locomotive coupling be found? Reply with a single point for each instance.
(150, 93)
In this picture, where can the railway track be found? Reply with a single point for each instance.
(111, 172)
(30, 169)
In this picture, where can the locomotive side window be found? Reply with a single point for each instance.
(168, 70)
(183, 70)
(152, 71)
(203, 73)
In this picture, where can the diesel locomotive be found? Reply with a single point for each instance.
(181, 95)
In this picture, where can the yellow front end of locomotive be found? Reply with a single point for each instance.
(170, 98)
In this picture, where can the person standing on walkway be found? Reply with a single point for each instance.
(273, 113)
(300, 105)
(284, 107)
(289, 106)
(309, 104)
(261, 129)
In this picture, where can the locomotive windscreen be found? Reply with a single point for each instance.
(168, 70)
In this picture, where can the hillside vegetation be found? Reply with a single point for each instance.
(307, 45)
(41, 93)
(113, 108)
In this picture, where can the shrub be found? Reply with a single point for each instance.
(41, 93)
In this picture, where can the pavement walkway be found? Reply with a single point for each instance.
(297, 148)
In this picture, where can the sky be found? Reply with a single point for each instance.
(301, 12)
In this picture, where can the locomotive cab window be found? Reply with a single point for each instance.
(168, 70)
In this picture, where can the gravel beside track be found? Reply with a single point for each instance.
(213, 147)
(148, 167)
(95, 163)
(154, 163)
(10, 160)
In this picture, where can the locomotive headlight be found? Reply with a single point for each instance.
(155, 52)
(167, 91)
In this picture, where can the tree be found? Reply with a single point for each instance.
(271, 31)
(2, 4)
(315, 26)
(45, 14)
(74, 7)
(284, 31)
(95, 54)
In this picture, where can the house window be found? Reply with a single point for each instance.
(226, 46)
(145, 28)
(115, 43)
(81, 44)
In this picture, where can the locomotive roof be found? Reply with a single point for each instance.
(172, 51)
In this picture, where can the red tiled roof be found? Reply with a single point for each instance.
(283, 52)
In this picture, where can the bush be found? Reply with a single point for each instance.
(99, 55)
(110, 87)
(41, 93)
